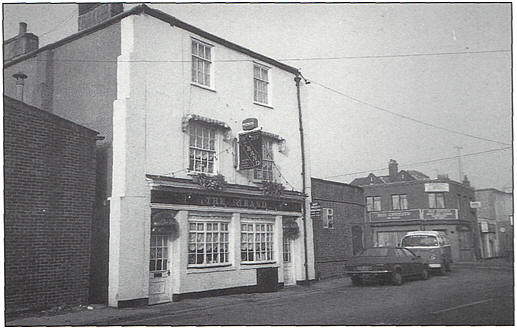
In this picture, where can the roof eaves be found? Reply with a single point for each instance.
(133, 11)
(163, 17)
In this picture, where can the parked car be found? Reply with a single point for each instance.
(434, 247)
(388, 264)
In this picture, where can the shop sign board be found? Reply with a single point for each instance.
(379, 216)
(436, 187)
(439, 213)
(250, 150)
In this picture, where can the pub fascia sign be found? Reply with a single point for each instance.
(436, 187)
(440, 213)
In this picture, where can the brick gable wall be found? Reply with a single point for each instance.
(49, 193)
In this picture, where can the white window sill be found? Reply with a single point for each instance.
(264, 105)
(249, 266)
(193, 269)
(194, 173)
(203, 86)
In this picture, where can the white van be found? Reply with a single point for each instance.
(433, 246)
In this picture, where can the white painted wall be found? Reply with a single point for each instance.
(154, 93)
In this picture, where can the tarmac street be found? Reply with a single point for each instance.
(467, 296)
(476, 294)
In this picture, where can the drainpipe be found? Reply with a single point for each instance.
(304, 210)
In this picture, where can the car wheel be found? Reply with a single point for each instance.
(396, 278)
(425, 274)
(356, 281)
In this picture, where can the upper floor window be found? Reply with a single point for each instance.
(266, 171)
(328, 218)
(373, 203)
(202, 148)
(260, 84)
(399, 202)
(436, 200)
(201, 62)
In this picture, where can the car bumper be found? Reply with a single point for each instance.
(367, 272)
(438, 265)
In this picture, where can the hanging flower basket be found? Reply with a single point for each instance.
(272, 188)
(290, 228)
(216, 182)
(164, 223)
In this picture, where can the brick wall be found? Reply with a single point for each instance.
(49, 193)
(333, 247)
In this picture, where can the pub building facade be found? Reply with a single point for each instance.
(408, 200)
(199, 174)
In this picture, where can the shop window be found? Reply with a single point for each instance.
(373, 203)
(399, 201)
(208, 243)
(436, 200)
(256, 242)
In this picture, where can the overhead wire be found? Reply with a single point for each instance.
(423, 162)
(405, 116)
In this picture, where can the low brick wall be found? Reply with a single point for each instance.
(49, 170)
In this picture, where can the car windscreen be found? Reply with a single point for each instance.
(374, 252)
(419, 241)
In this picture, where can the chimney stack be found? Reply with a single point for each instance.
(20, 82)
(94, 13)
(393, 169)
(21, 44)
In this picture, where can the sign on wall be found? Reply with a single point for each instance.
(439, 213)
(380, 216)
(250, 150)
(436, 187)
(315, 210)
(475, 204)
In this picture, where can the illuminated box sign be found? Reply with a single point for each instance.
(379, 216)
(250, 150)
(439, 213)
(436, 187)
(224, 201)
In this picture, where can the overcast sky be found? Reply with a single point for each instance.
(467, 90)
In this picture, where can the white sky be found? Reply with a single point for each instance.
(470, 93)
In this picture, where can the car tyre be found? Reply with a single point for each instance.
(396, 278)
(425, 274)
(356, 281)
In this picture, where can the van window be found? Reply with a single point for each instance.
(419, 241)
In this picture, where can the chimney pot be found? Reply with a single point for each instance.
(393, 169)
(23, 28)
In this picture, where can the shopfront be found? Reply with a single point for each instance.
(207, 241)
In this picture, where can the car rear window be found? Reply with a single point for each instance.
(419, 241)
(375, 252)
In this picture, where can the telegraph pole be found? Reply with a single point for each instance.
(460, 165)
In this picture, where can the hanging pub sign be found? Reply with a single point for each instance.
(250, 150)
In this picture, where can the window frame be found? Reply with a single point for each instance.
(254, 233)
(198, 58)
(191, 167)
(328, 218)
(375, 200)
(400, 205)
(257, 80)
(433, 196)
(220, 221)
